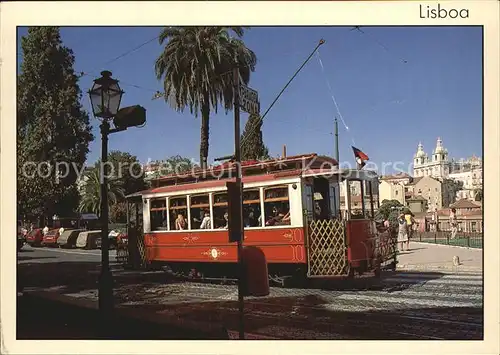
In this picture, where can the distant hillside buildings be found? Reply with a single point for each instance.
(437, 182)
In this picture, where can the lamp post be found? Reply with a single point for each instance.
(105, 97)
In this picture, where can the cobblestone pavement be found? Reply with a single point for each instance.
(401, 305)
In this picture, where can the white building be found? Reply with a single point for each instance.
(467, 172)
(437, 165)
(470, 175)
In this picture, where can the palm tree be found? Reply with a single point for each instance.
(196, 68)
(91, 199)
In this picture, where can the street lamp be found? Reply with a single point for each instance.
(105, 97)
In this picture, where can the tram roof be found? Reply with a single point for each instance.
(279, 163)
(275, 176)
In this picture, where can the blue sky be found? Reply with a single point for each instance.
(388, 105)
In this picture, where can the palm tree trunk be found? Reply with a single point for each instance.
(205, 131)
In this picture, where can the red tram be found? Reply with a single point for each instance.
(310, 219)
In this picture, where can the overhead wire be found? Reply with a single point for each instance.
(332, 95)
(358, 28)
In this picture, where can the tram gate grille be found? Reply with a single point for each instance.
(326, 248)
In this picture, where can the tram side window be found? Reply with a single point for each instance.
(178, 213)
(200, 212)
(276, 206)
(358, 207)
(220, 218)
(251, 208)
(158, 214)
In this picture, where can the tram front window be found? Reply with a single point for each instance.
(357, 203)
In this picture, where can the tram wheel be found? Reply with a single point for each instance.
(350, 273)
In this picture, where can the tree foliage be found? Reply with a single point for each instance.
(91, 197)
(175, 164)
(195, 67)
(52, 126)
(253, 147)
(389, 210)
(126, 169)
(125, 176)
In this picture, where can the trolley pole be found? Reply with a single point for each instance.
(237, 158)
(337, 140)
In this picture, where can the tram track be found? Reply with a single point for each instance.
(427, 308)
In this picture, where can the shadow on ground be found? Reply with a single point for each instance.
(308, 315)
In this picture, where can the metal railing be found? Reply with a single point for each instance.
(462, 239)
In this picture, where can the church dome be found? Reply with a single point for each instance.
(439, 147)
(420, 151)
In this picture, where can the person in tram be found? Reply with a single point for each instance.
(317, 210)
(226, 219)
(250, 220)
(205, 223)
(278, 218)
(180, 222)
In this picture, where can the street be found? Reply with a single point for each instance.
(401, 305)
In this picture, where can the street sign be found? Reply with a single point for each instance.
(249, 100)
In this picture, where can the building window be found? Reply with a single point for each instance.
(158, 214)
(473, 227)
(396, 192)
(419, 191)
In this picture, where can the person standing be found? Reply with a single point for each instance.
(453, 223)
(402, 232)
(409, 223)
(45, 230)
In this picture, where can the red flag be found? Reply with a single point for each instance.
(360, 157)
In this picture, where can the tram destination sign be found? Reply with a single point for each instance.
(249, 100)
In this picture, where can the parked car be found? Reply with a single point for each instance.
(87, 239)
(35, 237)
(50, 239)
(113, 239)
(68, 238)
(21, 235)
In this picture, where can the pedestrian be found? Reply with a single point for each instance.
(61, 230)
(409, 223)
(45, 230)
(402, 233)
(453, 223)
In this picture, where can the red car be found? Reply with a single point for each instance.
(50, 239)
(35, 237)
